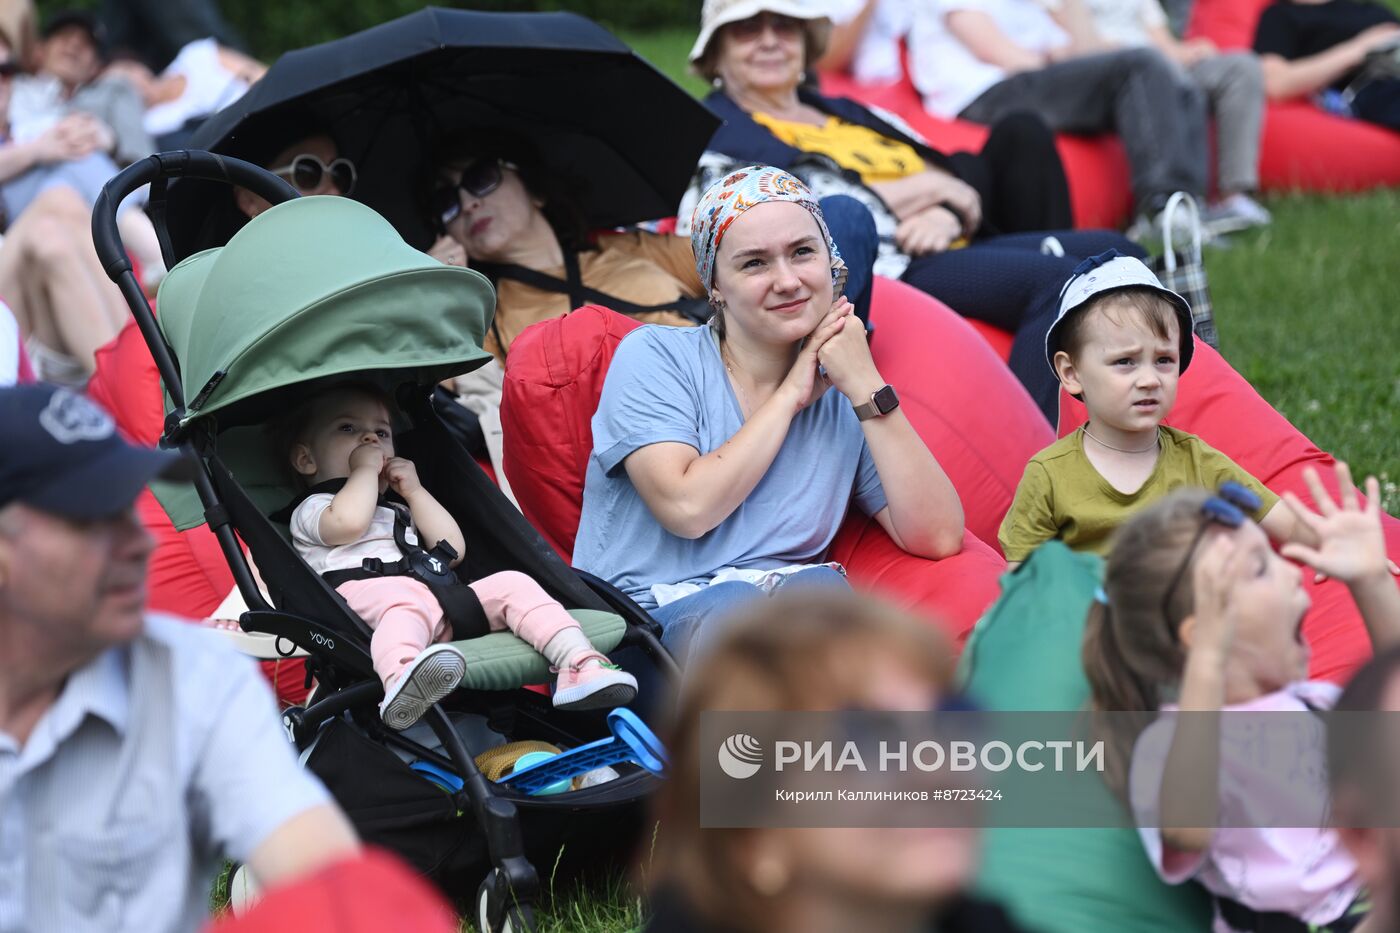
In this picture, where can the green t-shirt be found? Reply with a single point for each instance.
(1061, 495)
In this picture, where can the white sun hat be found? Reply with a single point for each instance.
(1111, 272)
(717, 13)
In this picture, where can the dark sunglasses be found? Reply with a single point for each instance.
(9, 68)
(306, 172)
(746, 30)
(478, 179)
(1229, 508)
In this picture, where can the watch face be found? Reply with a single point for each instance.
(885, 400)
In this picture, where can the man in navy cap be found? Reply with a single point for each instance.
(136, 751)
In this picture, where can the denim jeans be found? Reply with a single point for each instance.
(692, 623)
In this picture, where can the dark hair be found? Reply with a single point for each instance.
(560, 209)
(1130, 651)
(1153, 309)
(1361, 751)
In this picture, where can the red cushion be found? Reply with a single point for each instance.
(1096, 166)
(187, 574)
(953, 592)
(555, 372)
(1230, 24)
(366, 893)
(554, 375)
(1219, 405)
(1303, 147)
(949, 379)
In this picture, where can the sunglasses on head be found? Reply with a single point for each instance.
(749, 29)
(478, 179)
(306, 172)
(1229, 509)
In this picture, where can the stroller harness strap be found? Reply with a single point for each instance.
(432, 568)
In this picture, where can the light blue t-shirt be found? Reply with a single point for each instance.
(669, 384)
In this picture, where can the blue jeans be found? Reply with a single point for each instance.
(853, 230)
(690, 625)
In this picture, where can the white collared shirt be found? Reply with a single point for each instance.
(158, 759)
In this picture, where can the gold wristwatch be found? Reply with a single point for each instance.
(882, 402)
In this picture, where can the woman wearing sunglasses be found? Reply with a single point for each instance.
(497, 211)
(312, 165)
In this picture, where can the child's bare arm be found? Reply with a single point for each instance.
(351, 511)
(1191, 776)
(1283, 525)
(1351, 549)
(434, 523)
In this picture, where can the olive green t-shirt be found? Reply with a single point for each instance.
(1061, 494)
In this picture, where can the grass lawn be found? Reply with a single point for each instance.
(1305, 309)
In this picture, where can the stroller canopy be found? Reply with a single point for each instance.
(314, 288)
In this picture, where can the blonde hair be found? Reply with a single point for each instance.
(797, 652)
(1131, 652)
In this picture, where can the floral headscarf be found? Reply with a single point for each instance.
(735, 193)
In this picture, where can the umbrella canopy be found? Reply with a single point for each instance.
(615, 132)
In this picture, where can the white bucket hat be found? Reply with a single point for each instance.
(1111, 272)
(717, 13)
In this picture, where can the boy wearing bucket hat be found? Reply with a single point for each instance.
(1120, 343)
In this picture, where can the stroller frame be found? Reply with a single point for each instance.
(317, 619)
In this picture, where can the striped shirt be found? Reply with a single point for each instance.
(158, 759)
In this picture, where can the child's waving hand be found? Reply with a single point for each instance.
(1352, 545)
(1352, 550)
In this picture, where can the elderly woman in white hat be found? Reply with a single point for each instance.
(1001, 203)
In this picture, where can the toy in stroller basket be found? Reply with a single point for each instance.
(316, 293)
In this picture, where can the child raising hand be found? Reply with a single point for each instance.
(1200, 608)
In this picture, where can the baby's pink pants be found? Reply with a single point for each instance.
(406, 617)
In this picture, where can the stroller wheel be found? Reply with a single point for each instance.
(495, 911)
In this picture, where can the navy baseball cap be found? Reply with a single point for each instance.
(63, 455)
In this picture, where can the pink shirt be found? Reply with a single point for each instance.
(1303, 872)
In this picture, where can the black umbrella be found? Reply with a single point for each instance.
(619, 135)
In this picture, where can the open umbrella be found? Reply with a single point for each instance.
(621, 136)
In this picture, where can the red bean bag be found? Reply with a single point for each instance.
(974, 415)
(1220, 406)
(365, 893)
(1303, 148)
(555, 373)
(1096, 166)
(187, 574)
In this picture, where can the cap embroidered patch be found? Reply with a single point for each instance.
(70, 418)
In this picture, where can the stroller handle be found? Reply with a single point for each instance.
(156, 169)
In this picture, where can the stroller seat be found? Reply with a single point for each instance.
(502, 661)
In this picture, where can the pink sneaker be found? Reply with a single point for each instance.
(433, 675)
(591, 681)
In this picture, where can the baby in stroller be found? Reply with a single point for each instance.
(340, 442)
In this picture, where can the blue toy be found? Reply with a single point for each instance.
(631, 740)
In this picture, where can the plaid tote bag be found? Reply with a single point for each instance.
(1182, 270)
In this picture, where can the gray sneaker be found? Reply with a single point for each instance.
(1235, 213)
